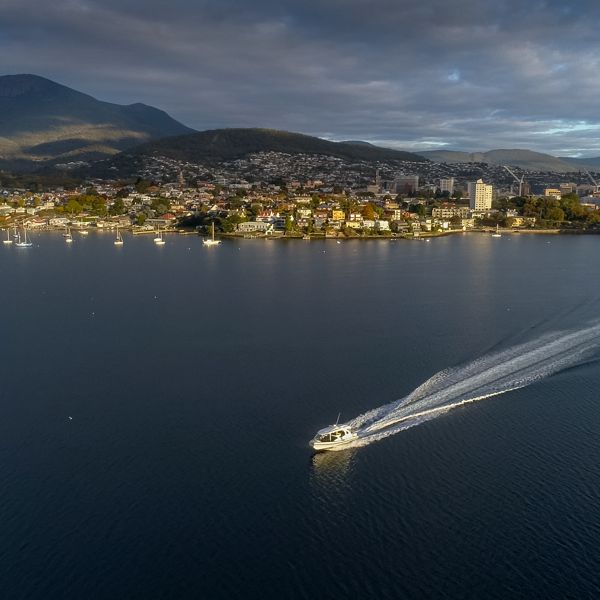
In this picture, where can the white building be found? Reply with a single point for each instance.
(480, 195)
(447, 185)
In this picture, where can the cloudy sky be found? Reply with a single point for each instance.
(414, 74)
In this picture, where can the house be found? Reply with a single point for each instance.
(255, 227)
(382, 225)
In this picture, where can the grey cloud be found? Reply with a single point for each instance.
(467, 74)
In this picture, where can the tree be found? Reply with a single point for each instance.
(73, 207)
(368, 212)
(118, 207)
(455, 221)
(554, 213)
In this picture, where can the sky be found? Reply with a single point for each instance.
(414, 74)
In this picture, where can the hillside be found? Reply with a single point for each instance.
(41, 121)
(590, 164)
(525, 159)
(229, 144)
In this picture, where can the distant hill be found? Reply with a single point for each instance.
(590, 164)
(229, 144)
(42, 121)
(525, 159)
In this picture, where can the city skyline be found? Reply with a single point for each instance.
(468, 76)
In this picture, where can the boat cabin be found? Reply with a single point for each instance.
(332, 434)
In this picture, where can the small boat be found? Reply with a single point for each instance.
(497, 234)
(334, 437)
(24, 243)
(306, 237)
(159, 240)
(211, 241)
(118, 240)
(83, 231)
(7, 240)
(68, 236)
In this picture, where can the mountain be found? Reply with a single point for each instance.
(590, 164)
(525, 159)
(229, 144)
(42, 121)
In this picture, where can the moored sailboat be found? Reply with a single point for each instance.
(211, 241)
(118, 240)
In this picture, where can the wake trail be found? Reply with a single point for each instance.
(490, 375)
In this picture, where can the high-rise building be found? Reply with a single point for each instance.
(447, 185)
(406, 184)
(480, 195)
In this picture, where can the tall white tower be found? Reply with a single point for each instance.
(480, 195)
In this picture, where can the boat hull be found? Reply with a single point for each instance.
(342, 444)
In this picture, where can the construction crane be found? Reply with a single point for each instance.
(592, 180)
(519, 181)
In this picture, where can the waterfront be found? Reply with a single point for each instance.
(195, 378)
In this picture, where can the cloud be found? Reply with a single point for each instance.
(465, 74)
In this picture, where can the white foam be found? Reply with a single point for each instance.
(489, 375)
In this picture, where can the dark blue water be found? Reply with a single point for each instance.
(195, 378)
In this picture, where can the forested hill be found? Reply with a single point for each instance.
(43, 121)
(228, 144)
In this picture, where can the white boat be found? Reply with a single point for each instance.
(83, 231)
(159, 240)
(24, 243)
(7, 240)
(211, 241)
(118, 240)
(497, 234)
(68, 236)
(334, 437)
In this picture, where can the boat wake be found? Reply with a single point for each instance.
(490, 375)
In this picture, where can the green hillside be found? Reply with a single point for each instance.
(228, 144)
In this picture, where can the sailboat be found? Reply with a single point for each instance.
(211, 241)
(158, 240)
(118, 240)
(68, 236)
(497, 234)
(23, 243)
(7, 240)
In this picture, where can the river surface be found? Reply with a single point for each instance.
(156, 405)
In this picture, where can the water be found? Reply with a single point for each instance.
(490, 375)
(195, 378)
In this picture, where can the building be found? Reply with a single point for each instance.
(447, 211)
(552, 193)
(447, 185)
(480, 195)
(406, 184)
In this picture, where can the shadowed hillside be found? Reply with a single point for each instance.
(41, 120)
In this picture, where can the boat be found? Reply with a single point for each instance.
(7, 240)
(23, 243)
(83, 231)
(306, 237)
(159, 240)
(68, 236)
(211, 241)
(334, 437)
(118, 240)
(497, 234)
